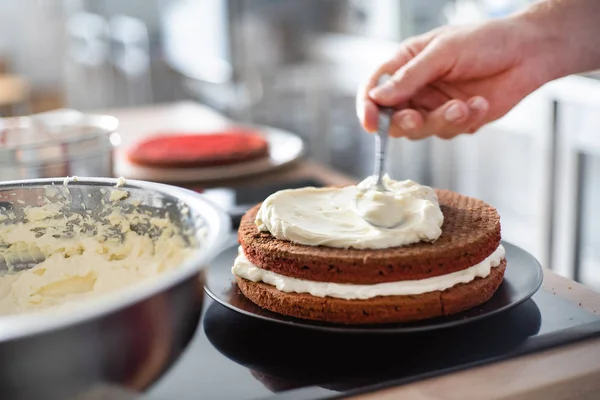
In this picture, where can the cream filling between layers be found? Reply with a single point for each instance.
(245, 269)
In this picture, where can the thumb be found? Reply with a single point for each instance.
(428, 66)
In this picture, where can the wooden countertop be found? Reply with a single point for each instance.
(568, 372)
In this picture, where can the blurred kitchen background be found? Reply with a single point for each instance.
(295, 64)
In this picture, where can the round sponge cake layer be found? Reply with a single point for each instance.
(199, 150)
(385, 309)
(470, 233)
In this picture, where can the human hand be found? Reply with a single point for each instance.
(453, 80)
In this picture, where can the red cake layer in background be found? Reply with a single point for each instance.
(206, 149)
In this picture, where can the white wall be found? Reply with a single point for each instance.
(32, 39)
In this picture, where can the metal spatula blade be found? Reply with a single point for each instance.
(381, 144)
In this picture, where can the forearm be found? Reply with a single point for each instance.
(568, 34)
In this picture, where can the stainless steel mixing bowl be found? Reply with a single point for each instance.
(57, 143)
(127, 338)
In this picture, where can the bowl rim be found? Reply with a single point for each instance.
(17, 326)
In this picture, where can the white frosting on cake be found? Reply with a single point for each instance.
(346, 217)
